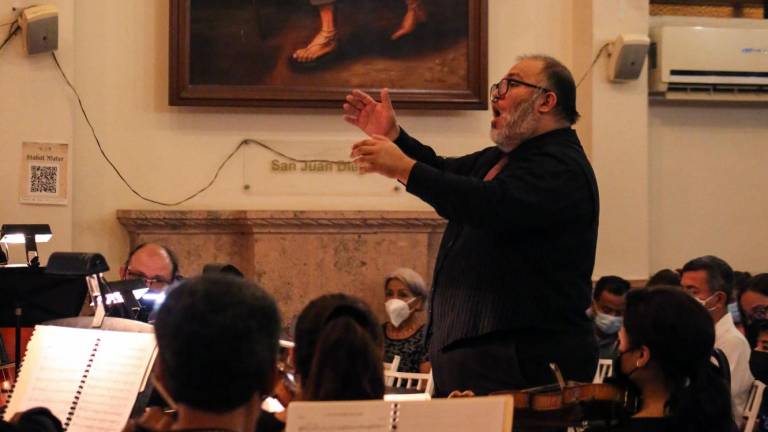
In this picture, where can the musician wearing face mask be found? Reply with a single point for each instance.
(709, 280)
(665, 346)
(405, 295)
(606, 312)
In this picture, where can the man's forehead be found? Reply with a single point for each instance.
(151, 259)
(526, 69)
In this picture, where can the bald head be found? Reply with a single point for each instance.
(152, 262)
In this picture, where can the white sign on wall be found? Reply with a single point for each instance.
(44, 173)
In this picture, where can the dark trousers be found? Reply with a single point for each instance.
(513, 360)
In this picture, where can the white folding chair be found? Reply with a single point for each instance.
(422, 382)
(391, 367)
(752, 409)
(604, 368)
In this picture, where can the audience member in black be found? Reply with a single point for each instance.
(606, 311)
(740, 281)
(339, 350)
(217, 342)
(666, 277)
(405, 295)
(758, 364)
(754, 305)
(32, 420)
(665, 348)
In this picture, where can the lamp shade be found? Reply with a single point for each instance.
(76, 264)
(17, 233)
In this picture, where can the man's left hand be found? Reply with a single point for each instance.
(380, 155)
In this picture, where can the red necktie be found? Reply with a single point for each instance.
(496, 168)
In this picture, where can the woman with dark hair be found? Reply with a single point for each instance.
(665, 347)
(338, 353)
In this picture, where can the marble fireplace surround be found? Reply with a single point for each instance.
(297, 255)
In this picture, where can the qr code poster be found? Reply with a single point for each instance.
(44, 173)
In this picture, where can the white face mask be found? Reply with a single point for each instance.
(704, 302)
(398, 310)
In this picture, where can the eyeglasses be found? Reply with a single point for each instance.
(500, 89)
(152, 282)
(759, 312)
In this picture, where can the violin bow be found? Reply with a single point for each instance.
(558, 375)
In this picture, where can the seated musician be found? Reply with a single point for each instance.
(217, 342)
(665, 347)
(158, 267)
(32, 420)
(338, 353)
(405, 295)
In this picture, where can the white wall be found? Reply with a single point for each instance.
(708, 176)
(619, 122)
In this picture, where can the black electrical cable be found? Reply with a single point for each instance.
(11, 33)
(599, 53)
(242, 143)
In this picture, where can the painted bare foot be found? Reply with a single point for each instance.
(415, 15)
(324, 43)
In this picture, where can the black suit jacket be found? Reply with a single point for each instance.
(518, 252)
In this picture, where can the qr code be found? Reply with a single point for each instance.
(43, 179)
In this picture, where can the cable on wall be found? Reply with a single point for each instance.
(244, 142)
(12, 31)
(592, 66)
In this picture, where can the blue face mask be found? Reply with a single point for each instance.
(608, 324)
(733, 309)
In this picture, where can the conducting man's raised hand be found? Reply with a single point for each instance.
(380, 155)
(372, 117)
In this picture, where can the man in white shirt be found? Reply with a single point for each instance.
(709, 279)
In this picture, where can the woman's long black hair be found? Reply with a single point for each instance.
(339, 350)
(680, 335)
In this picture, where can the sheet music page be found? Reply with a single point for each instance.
(53, 366)
(477, 414)
(358, 416)
(113, 382)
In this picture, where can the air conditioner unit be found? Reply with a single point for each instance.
(709, 59)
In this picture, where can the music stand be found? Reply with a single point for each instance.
(30, 296)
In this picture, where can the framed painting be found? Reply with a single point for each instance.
(431, 54)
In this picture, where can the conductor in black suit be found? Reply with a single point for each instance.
(513, 273)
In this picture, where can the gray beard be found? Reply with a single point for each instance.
(518, 127)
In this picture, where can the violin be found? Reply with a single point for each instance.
(571, 404)
(7, 377)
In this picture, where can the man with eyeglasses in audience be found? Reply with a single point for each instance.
(513, 273)
(157, 266)
(709, 280)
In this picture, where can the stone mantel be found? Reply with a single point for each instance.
(297, 255)
(267, 221)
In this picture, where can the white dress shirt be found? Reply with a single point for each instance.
(736, 348)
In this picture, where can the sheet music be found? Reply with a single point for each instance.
(360, 416)
(114, 365)
(53, 367)
(459, 415)
(113, 382)
(481, 414)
